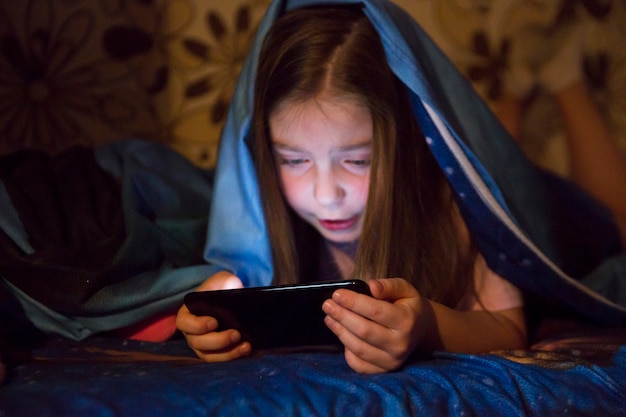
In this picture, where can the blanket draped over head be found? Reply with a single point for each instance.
(542, 234)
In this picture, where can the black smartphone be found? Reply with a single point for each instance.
(280, 316)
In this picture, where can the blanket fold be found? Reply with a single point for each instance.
(95, 240)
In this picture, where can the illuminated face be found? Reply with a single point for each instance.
(323, 150)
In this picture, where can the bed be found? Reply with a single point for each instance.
(577, 374)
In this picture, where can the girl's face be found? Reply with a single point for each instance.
(323, 150)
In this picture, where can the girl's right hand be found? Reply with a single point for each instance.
(200, 332)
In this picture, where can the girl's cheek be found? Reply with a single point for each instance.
(364, 188)
(292, 189)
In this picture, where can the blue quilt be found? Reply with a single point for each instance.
(578, 375)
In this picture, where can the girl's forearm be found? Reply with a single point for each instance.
(474, 331)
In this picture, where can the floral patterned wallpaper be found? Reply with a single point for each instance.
(485, 38)
(89, 72)
(93, 71)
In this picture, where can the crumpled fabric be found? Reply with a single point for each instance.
(115, 239)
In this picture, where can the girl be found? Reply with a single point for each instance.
(349, 189)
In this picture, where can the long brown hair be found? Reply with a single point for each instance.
(409, 228)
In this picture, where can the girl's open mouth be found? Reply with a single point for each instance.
(337, 225)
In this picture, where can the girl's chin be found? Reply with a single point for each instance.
(349, 247)
(341, 238)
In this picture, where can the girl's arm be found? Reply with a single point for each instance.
(380, 334)
(598, 164)
(475, 331)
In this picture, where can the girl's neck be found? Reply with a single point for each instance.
(343, 254)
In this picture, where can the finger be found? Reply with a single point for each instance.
(362, 366)
(238, 351)
(214, 341)
(395, 306)
(351, 321)
(369, 340)
(362, 356)
(351, 307)
(361, 345)
(191, 324)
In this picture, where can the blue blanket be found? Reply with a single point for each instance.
(581, 375)
(56, 256)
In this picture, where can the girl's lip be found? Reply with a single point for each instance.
(336, 225)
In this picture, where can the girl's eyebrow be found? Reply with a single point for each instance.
(356, 146)
(285, 147)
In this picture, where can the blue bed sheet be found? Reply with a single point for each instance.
(114, 377)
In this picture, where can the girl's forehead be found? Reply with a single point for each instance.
(330, 109)
(325, 100)
(338, 122)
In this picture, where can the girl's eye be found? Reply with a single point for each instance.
(292, 162)
(359, 162)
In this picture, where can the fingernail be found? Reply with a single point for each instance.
(245, 348)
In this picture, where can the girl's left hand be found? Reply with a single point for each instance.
(378, 333)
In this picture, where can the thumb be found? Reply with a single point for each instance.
(392, 289)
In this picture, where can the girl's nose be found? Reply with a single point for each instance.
(328, 191)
